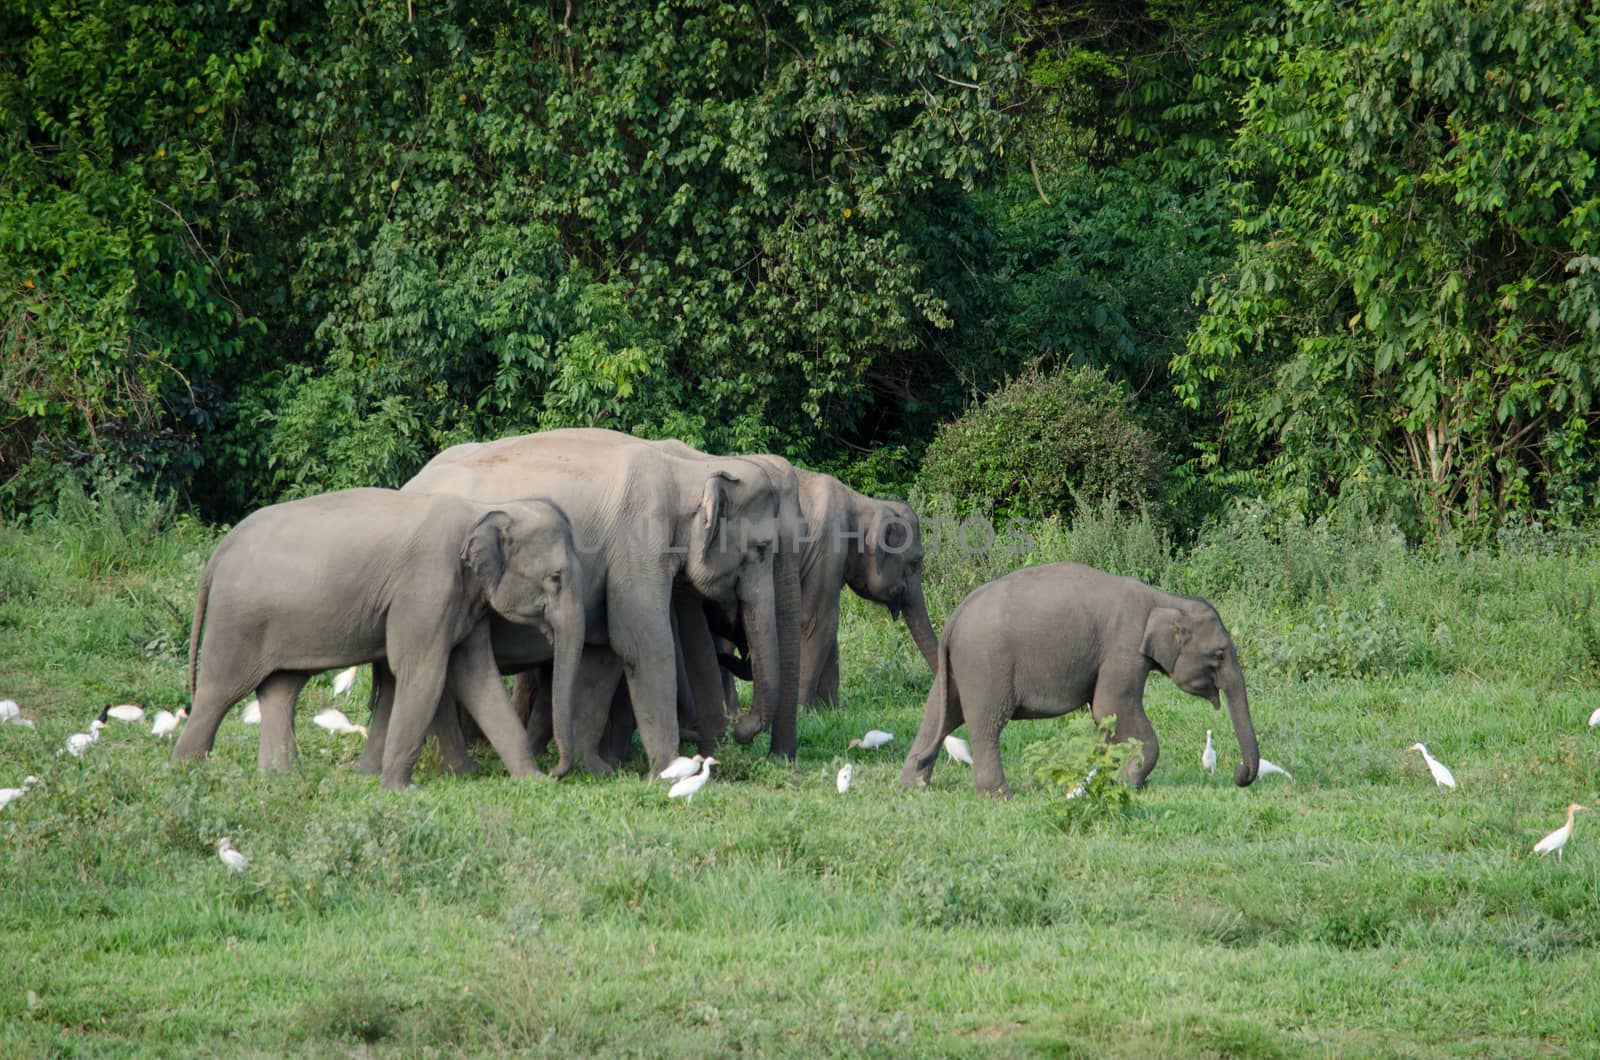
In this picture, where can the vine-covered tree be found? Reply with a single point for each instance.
(1416, 293)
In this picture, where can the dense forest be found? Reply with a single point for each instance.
(1173, 252)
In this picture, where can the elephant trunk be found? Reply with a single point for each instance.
(785, 722)
(757, 609)
(567, 627)
(1231, 681)
(921, 626)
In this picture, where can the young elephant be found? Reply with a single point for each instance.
(367, 574)
(1043, 641)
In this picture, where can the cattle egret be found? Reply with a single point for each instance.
(842, 781)
(1594, 719)
(167, 722)
(681, 767)
(79, 742)
(1441, 772)
(125, 712)
(958, 749)
(10, 795)
(345, 681)
(874, 739)
(231, 857)
(11, 714)
(685, 788)
(1082, 785)
(1558, 839)
(334, 720)
(252, 713)
(1268, 767)
(1208, 757)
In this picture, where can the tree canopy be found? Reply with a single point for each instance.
(263, 248)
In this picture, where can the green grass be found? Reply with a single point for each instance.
(1356, 911)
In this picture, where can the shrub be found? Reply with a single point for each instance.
(1043, 445)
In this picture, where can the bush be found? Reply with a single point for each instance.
(1045, 444)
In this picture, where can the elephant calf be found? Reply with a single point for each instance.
(1043, 641)
(366, 574)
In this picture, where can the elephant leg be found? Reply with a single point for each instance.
(941, 715)
(277, 694)
(476, 680)
(522, 701)
(448, 728)
(698, 652)
(599, 671)
(730, 699)
(420, 671)
(382, 700)
(206, 710)
(1112, 697)
(532, 689)
(616, 742)
(828, 680)
(819, 644)
(651, 671)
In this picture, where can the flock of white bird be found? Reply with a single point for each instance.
(164, 723)
(686, 774)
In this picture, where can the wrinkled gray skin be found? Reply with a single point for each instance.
(361, 575)
(1043, 641)
(874, 547)
(644, 520)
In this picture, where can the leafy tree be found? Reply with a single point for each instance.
(120, 291)
(1417, 288)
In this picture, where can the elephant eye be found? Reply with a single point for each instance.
(554, 580)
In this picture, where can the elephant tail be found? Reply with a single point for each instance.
(199, 618)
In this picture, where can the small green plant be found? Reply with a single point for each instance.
(1082, 772)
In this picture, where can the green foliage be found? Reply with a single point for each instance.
(119, 284)
(1082, 773)
(1415, 292)
(1045, 443)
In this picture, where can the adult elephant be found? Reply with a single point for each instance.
(1043, 641)
(644, 519)
(873, 546)
(367, 574)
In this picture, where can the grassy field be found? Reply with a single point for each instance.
(1356, 910)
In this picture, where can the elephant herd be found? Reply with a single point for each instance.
(623, 580)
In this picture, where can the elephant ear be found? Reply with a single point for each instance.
(713, 499)
(1166, 631)
(484, 551)
(894, 533)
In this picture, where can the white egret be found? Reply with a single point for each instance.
(842, 781)
(252, 713)
(11, 714)
(1268, 767)
(874, 739)
(1082, 785)
(1594, 719)
(345, 681)
(681, 767)
(125, 712)
(685, 788)
(1441, 772)
(334, 721)
(167, 722)
(1208, 757)
(10, 795)
(79, 742)
(958, 749)
(1558, 839)
(231, 857)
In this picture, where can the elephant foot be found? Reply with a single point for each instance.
(747, 728)
(395, 784)
(372, 768)
(594, 765)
